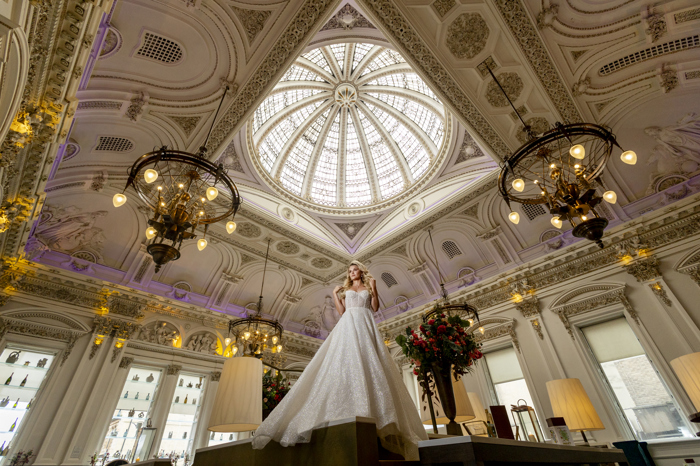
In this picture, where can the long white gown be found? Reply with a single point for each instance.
(352, 374)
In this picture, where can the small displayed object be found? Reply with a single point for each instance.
(42, 362)
(185, 402)
(132, 411)
(24, 381)
(221, 437)
(141, 414)
(184, 435)
(170, 434)
(182, 381)
(9, 379)
(177, 399)
(525, 417)
(148, 423)
(194, 401)
(501, 422)
(13, 357)
(14, 424)
(150, 378)
(119, 413)
(29, 404)
(135, 378)
(126, 432)
(16, 403)
(26, 363)
(114, 432)
(189, 385)
(137, 396)
(148, 395)
(558, 431)
(230, 437)
(4, 402)
(126, 395)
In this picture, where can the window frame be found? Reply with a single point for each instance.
(601, 383)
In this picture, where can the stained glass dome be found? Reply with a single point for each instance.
(348, 126)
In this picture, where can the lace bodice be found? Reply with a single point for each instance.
(358, 299)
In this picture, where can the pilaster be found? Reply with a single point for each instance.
(201, 435)
(162, 403)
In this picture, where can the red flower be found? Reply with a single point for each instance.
(415, 371)
(441, 329)
(431, 322)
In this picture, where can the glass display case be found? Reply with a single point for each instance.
(131, 414)
(182, 419)
(22, 373)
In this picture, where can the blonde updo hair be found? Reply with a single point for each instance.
(366, 276)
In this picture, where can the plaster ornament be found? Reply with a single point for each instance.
(253, 21)
(466, 35)
(511, 83)
(677, 149)
(161, 333)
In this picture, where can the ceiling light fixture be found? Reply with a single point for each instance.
(186, 197)
(564, 165)
(255, 333)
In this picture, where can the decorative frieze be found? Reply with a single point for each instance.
(644, 269)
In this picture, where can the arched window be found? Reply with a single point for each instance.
(451, 249)
(389, 279)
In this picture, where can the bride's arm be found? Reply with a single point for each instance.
(339, 304)
(375, 295)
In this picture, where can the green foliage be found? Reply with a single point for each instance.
(274, 389)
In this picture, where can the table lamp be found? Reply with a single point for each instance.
(238, 402)
(687, 368)
(464, 409)
(570, 401)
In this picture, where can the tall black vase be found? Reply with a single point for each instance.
(446, 393)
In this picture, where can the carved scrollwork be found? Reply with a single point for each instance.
(215, 376)
(644, 269)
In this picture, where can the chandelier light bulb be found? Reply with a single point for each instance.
(201, 244)
(160, 188)
(274, 340)
(279, 348)
(514, 217)
(246, 335)
(151, 232)
(584, 218)
(518, 185)
(212, 192)
(150, 175)
(629, 157)
(481, 329)
(230, 227)
(181, 186)
(610, 196)
(471, 322)
(227, 341)
(118, 200)
(556, 221)
(577, 151)
(234, 350)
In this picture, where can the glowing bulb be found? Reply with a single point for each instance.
(212, 192)
(279, 348)
(150, 175)
(518, 185)
(160, 188)
(274, 340)
(554, 165)
(629, 157)
(150, 232)
(577, 166)
(162, 204)
(577, 151)
(514, 217)
(246, 335)
(481, 329)
(584, 218)
(201, 212)
(181, 185)
(471, 322)
(556, 221)
(610, 196)
(234, 350)
(201, 244)
(118, 200)
(230, 227)
(227, 341)
(203, 200)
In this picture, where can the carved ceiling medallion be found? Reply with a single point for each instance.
(467, 35)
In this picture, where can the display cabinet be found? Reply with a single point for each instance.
(131, 415)
(182, 418)
(22, 373)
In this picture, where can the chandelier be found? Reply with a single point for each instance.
(184, 191)
(255, 333)
(561, 169)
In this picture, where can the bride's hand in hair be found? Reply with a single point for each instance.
(337, 289)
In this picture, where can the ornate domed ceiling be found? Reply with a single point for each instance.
(349, 128)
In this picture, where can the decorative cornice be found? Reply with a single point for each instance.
(70, 336)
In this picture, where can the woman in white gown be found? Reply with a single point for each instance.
(352, 374)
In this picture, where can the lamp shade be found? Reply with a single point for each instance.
(687, 368)
(570, 401)
(477, 406)
(238, 402)
(465, 412)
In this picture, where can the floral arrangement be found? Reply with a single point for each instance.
(274, 389)
(441, 342)
(21, 458)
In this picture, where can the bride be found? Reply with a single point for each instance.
(352, 374)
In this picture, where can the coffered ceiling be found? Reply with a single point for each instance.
(160, 67)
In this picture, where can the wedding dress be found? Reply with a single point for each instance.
(352, 374)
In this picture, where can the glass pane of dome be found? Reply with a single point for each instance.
(346, 142)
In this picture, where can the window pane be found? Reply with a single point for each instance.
(503, 366)
(640, 392)
(182, 418)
